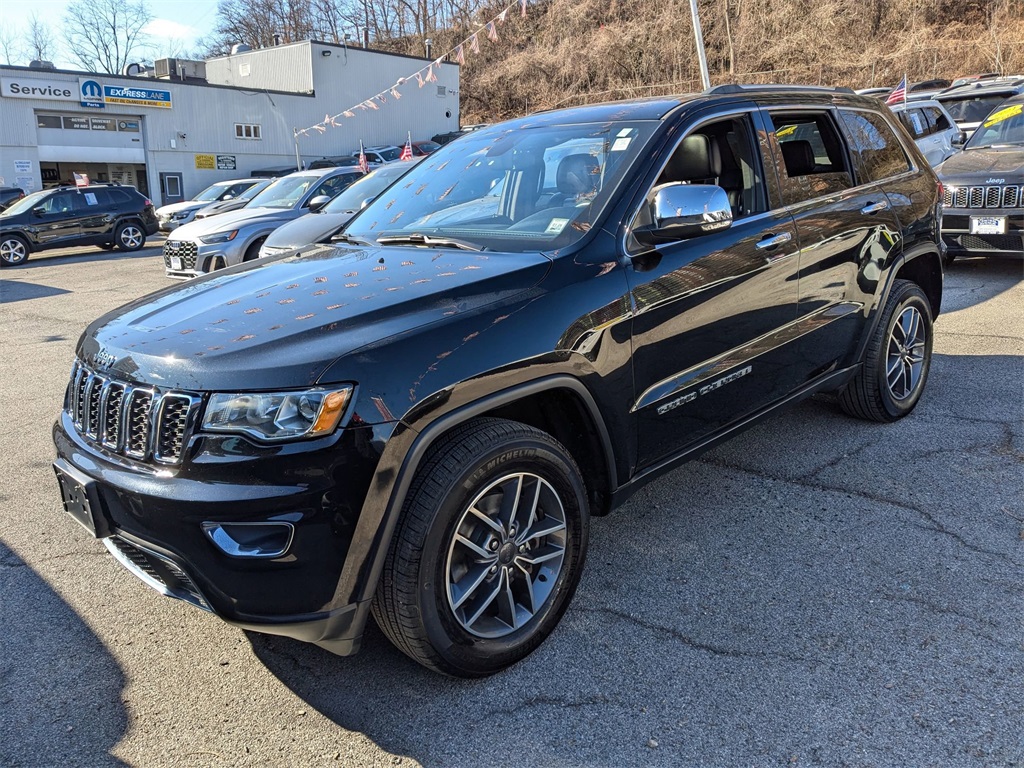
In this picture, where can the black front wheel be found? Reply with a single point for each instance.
(897, 359)
(488, 552)
(13, 251)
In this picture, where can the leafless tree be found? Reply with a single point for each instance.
(11, 48)
(105, 35)
(40, 39)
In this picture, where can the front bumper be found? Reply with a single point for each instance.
(151, 518)
(961, 241)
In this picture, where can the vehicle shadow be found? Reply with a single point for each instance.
(971, 281)
(17, 290)
(61, 699)
(88, 254)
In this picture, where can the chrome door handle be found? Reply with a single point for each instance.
(872, 208)
(774, 241)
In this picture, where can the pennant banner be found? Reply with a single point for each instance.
(423, 75)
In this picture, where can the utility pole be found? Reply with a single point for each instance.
(701, 56)
(295, 138)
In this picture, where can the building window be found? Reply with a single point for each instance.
(246, 131)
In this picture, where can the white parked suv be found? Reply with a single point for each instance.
(380, 155)
(932, 127)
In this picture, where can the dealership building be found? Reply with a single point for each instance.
(176, 129)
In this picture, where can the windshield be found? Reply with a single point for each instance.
(213, 192)
(371, 185)
(510, 189)
(286, 192)
(387, 155)
(27, 203)
(426, 147)
(972, 109)
(1004, 127)
(254, 190)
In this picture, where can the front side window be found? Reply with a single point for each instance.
(812, 161)
(936, 119)
(530, 188)
(874, 141)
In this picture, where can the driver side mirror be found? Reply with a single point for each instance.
(960, 139)
(365, 203)
(318, 202)
(679, 211)
(39, 210)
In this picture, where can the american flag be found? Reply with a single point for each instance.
(363, 165)
(899, 93)
(81, 180)
(407, 150)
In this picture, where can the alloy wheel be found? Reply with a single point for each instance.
(506, 555)
(12, 251)
(131, 237)
(905, 355)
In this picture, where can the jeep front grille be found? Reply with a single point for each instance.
(1008, 196)
(187, 251)
(141, 422)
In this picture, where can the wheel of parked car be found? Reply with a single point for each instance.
(253, 251)
(488, 551)
(129, 236)
(13, 251)
(897, 360)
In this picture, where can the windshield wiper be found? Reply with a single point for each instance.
(341, 237)
(418, 239)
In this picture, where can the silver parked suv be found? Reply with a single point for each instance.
(234, 237)
(932, 128)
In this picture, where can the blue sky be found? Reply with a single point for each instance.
(176, 25)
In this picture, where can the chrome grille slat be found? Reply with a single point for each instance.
(1009, 196)
(185, 249)
(141, 422)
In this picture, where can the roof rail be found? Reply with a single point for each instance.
(745, 87)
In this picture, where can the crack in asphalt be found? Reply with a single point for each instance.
(940, 609)
(805, 481)
(697, 645)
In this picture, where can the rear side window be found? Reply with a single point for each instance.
(874, 142)
(119, 197)
(812, 160)
(915, 122)
(937, 119)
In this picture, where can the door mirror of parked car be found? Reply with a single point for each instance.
(679, 211)
(318, 202)
(39, 210)
(366, 202)
(960, 139)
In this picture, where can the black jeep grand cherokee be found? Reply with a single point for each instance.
(419, 419)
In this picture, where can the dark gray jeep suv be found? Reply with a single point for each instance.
(420, 419)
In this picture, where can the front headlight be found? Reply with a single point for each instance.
(219, 237)
(182, 215)
(277, 415)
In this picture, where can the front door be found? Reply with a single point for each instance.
(171, 188)
(710, 344)
(57, 218)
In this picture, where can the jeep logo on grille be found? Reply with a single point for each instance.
(995, 181)
(104, 359)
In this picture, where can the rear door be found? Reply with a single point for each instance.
(97, 214)
(846, 230)
(712, 313)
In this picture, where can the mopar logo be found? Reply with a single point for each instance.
(91, 90)
(90, 93)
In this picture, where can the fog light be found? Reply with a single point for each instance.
(251, 539)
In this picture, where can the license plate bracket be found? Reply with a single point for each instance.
(988, 225)
(81, 500)
(176, 262)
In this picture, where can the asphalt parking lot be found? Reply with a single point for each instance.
(818, 591)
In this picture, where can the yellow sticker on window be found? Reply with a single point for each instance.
(1003, 114)
(783, 132)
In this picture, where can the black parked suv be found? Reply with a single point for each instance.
(9, 196)
(110, 216)
(983, 206)
(420, 419)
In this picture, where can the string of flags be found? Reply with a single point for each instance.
(423, 76)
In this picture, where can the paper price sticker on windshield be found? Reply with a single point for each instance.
(556, 226)
(620, 144)
(1003, 114)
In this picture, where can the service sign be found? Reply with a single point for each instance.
(31, 88)
(136, 96)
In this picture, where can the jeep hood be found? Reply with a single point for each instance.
(232, 220)
(979, 165)
(281, 321)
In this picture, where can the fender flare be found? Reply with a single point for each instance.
(382, 507)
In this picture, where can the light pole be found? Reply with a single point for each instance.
(705, 78)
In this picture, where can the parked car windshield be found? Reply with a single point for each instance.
(972, 109)
(371, 185)
(212, 193)
(1004, 127)
(27, 203)
(389, 154)
(554, 182)
(285, 192)
(254, 190)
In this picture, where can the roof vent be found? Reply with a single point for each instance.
(40, 64)
(240, 48)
